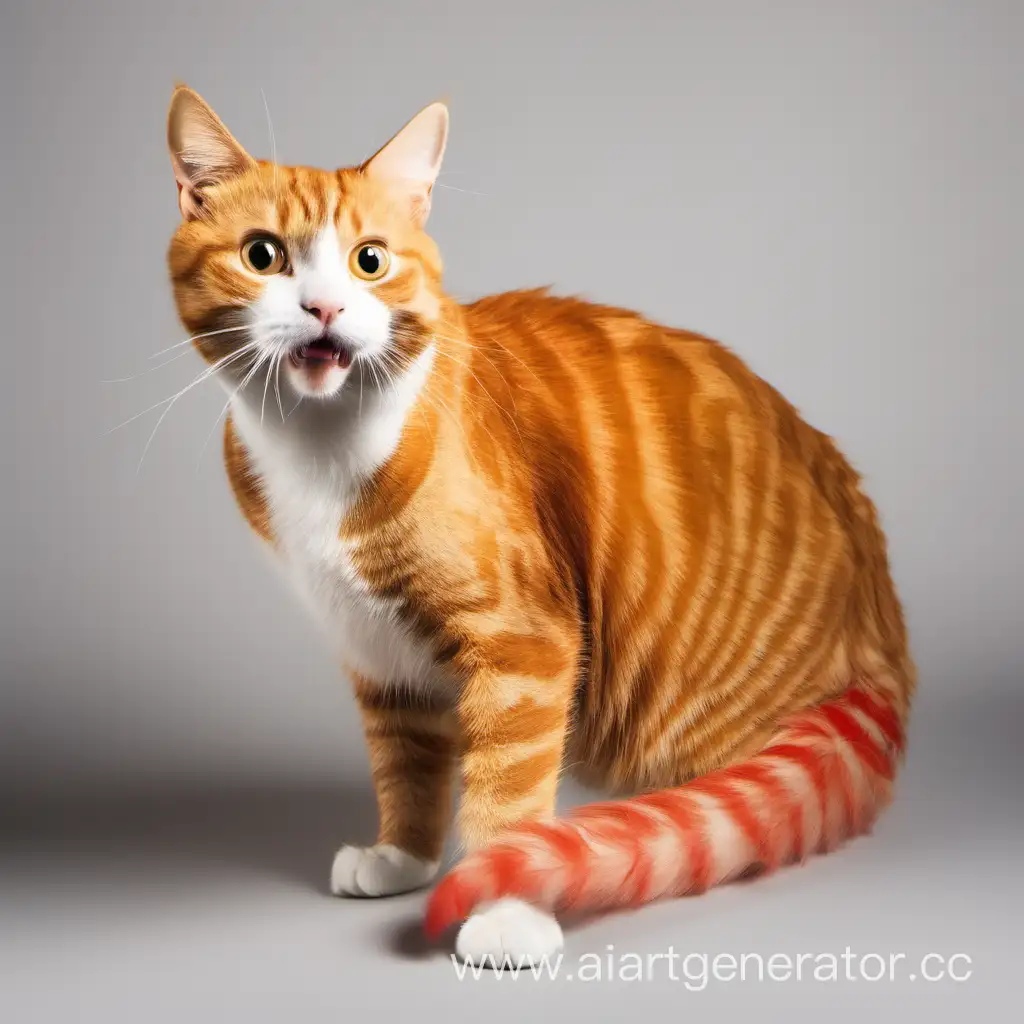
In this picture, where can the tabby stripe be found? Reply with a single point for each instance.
(223, 276)
(668, 701)
(283, 206)
(198, 257)
(711, 633)
(808, 760)
(519, 778)
(655, 616)
(753, 709)
(809, 606)
(764, 485)
(790, 609)
(884, 717)
(689, 820)
(859, 740)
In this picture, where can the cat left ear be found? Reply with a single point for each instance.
(203, 151)
(411, 161)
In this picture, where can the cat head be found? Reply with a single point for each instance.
(304, 272)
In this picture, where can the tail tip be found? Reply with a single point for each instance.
(445, 907)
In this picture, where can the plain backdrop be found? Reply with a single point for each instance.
(831, 188)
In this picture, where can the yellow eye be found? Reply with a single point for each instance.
(263, 255)
(370, 261)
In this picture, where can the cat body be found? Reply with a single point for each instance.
(542, 534)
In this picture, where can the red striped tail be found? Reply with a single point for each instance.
(824, 777)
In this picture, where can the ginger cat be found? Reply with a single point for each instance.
(540, 532)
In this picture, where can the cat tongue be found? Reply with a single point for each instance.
(324, 352)
(319, 350)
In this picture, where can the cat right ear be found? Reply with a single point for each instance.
(410, 162)
(203, 151)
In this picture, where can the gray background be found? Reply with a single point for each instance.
(834, 189)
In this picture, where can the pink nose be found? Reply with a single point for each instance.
(324, 310)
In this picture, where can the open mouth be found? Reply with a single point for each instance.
(321, 353)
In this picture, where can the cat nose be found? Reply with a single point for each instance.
(323, 309)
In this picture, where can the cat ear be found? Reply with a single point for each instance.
(203, 151)
(412, 159)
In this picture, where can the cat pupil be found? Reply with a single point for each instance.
(261, 255)
(369, 261)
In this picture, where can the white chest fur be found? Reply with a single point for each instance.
(310, 468)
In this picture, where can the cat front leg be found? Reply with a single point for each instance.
(412, 746)
(514, 729)
(513, 743)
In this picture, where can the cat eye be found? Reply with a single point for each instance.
(369, 261)
(263, 255)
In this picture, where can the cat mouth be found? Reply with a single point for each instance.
(321, 353)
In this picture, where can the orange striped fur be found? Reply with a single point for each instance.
(621, 551)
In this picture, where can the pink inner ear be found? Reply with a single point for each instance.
(419, 203)
(187, 203)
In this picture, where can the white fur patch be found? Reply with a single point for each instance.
(311, 466)
(381, 870)
(730, 849)
(508, 930)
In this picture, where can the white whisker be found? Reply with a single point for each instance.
(266, 384)
(376, 379)
(273, 140)
(208, 372)
(277, 383)
(171, 402)
(136, 376)
(208, 334)
(455, 188)
(245, 380)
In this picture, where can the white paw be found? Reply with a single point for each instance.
(508, 930)
(382, 870)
